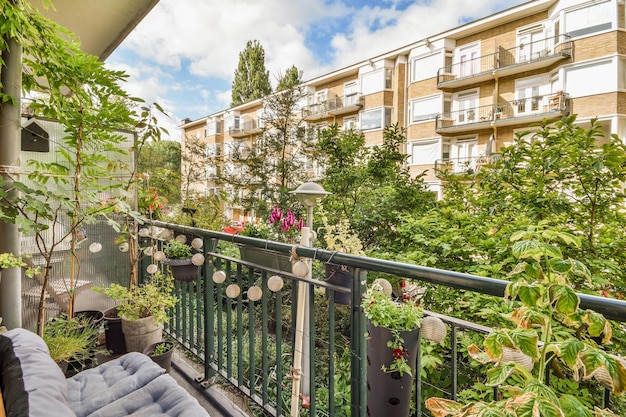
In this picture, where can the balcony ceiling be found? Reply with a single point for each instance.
(101, 25)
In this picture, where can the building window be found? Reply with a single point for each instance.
(577, 79)
(349, 123)
(425, 152)
(376, 118)
(376, 81)
(592, 18)
(426, 108)
(426, 67)
(388, 78)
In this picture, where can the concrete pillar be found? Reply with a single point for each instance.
(10, 147)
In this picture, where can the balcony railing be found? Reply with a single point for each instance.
(465, 165)
(525, 57)
(249, 341)
(250, 127)
(506, 113)
(333, 107)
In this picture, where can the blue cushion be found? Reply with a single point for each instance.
(32, 383)
(94, 388)
(161, 397)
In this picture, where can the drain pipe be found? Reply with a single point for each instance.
(10, 131)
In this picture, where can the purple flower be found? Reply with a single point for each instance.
(276, 215)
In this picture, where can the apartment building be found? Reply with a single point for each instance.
(463, 94)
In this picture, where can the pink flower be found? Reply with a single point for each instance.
(276, 215)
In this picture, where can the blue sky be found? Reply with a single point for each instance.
(184, 53)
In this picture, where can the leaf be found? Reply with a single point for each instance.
(499, 374)
(597, 325)
(442, 407)
(527, 249)
(566, 299)
(526, 341)
(572, 407)
(569, 351)
(477, 354)
(539, 407)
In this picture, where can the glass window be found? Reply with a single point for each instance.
(372, 82)
(590, 19)
(371, 119)
(577, 79)
(425, 152)
(426, 108)
(426, 67)
(388, 78)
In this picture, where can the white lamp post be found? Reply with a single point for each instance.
(309, 194)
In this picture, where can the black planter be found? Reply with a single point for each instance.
(388, 394)
(265, 258)
(341, 276)
(182, 269)
(164, 360)
(90, 318)
(115, 341)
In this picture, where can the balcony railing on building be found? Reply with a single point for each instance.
(464, 165)
(333, 107)
(506, 113)
(503, 62)
(249, 342)
(247, 128)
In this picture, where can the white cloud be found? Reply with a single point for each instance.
(188, 50)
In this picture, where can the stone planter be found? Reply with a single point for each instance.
(164, 360)
(182, 269)
(141, 333)
(388, 394)
(341, 276)
(265, 258)
(115, 341)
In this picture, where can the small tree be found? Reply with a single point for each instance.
(251, 80)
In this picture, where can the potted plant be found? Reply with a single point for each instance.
(71, 341)
(143, 308)
(393, 328)
(281, 226)
(340, 238)
(178, 257)
(161, 353)
(114, 336)
(550, 332)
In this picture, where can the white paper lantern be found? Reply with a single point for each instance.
(95, 247)
(152, 268)
(275, 283)
(300, 269)
(255, 293)
(233, 291)
(513, 355)
(144, 232)
(148, 251)
(124, 247)
(197, 259)
(181, 238)
(165, 234)
(383, 285)
(197, 243)
(433, 329)
(219, 277)
(159, 255)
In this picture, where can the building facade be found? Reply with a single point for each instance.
(464, 93)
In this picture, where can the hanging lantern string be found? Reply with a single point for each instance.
(294, 256)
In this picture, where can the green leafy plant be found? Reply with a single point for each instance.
(162, 348)
(177, 250)
(153, 298)
(397, 316)
(339, 237)
(70, 339)
(551, 331)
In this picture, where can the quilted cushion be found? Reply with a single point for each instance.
(32, 383)
(94, 388)
(161, 397)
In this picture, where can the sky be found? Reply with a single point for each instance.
(184, 53)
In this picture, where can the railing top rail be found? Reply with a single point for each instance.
(611, 308)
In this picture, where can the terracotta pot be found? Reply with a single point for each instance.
(141, 333)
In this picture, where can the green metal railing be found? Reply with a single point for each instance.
(251, 343)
